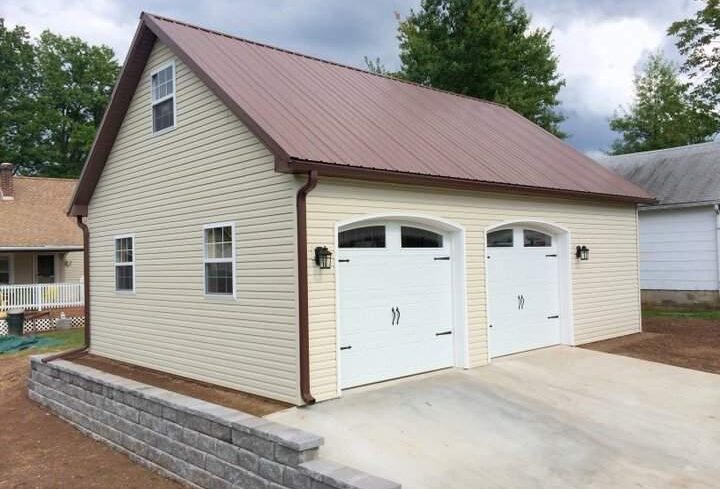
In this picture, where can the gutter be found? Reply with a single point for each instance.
(303, 313)
(86, 287)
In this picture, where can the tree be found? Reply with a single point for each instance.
(664, 114)
(53, 93)
(698, 39)
(18, 84)
(485, 49)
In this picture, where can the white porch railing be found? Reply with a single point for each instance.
(41, 296)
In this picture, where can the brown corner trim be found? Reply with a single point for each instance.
(372, 174)
(86, 290)
(303, 312)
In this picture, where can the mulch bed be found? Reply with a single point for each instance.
(683, 342)
(259, 406)
(41, 451)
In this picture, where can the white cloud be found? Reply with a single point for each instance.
(96, 22)
(598, 60)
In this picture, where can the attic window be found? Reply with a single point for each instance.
(163, 98)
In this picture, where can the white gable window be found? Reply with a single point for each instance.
(163, 98)
(125, 263)
(219, 258)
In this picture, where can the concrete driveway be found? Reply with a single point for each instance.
(555, 418)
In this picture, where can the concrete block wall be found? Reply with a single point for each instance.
(198, 443)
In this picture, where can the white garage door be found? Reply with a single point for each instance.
(395, 302)
(523, 306)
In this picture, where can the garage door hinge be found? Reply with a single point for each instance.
(442, 258)
(443, 333)
(551, 256)
(345, 347)
(553, 317)
(344, 260)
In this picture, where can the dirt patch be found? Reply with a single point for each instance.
(259, 406)
(689, 343)
(41, 451)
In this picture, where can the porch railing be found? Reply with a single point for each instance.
(41, 296)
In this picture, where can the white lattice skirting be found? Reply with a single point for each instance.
(42, 324)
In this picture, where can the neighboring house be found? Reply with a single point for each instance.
(41, 258)
(290, 227)
(680, 234)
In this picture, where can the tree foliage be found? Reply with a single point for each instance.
(485, 49)
(52, 98)
(698, 39)
(665, 112)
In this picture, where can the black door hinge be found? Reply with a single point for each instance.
(441, 258)
(346, 348)
(553, 317)
(443, 333)
(344, 260)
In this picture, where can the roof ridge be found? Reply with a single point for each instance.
(321, 60)
(663, 150)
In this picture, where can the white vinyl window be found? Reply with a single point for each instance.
(163, 98)
(125, 263)
(219, 259)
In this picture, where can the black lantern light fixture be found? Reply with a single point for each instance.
(323, 257)
(582, 253)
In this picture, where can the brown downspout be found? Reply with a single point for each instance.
(86, 286)
(304, 334)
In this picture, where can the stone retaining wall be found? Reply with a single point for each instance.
(195, 442)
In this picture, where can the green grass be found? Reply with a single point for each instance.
(682, 314)
(69, 339)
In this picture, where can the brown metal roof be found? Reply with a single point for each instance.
(342, 120)
(36, 218)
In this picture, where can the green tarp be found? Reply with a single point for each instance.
(10, 344)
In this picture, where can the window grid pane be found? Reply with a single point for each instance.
(536, 238)
(163, 115)
(367, 237)
(419, 238)
(123, 277)
(500, 239)
(219, 260)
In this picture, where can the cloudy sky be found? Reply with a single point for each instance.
(600, 43)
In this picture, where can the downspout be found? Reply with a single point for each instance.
(86, 290)
(303, 314)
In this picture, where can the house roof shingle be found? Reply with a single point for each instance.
(683, 175)
(36, 217)
(318, 114)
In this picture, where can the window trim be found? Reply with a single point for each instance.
(154, 102)
(512, 236)
(207, 260)
(121, 264)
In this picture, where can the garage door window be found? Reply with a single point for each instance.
(536, 238)
(420, 238)
(500, 239)
(367, 237)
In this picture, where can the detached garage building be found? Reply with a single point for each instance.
(291, 227)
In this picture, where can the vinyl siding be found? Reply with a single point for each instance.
(23, 268)
(163, 189)
(606, 298)
(678, 249)
(74, 272)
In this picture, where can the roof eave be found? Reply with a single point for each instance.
(344, 171)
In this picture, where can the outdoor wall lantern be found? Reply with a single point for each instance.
(323, 257)
(582, 253)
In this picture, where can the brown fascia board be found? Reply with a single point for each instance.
(345, 171)
(123, 92)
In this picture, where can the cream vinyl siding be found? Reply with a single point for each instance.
(73, 272)
(163, 189)
(606, 298)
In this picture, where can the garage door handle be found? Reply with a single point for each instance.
(397, 309)
(443, 333)
(393, 319)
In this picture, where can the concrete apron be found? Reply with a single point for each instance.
(560, 417)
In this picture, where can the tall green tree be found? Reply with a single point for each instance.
(18, 85)
(665, 112)
(698, 39)
(485, 49)
(53, 92)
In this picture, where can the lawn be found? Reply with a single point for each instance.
(650, 313)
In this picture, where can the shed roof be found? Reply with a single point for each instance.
(36, 217)
(683, 175)
(339, 120)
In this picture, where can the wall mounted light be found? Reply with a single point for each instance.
(582, 253)
(323, 257)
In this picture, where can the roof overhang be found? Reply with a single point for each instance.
(678, 205)
(48, 248)
(344, 171)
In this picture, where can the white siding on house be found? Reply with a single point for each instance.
(163, 189)
(71, 264)
(678, 249)
(606, 296)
